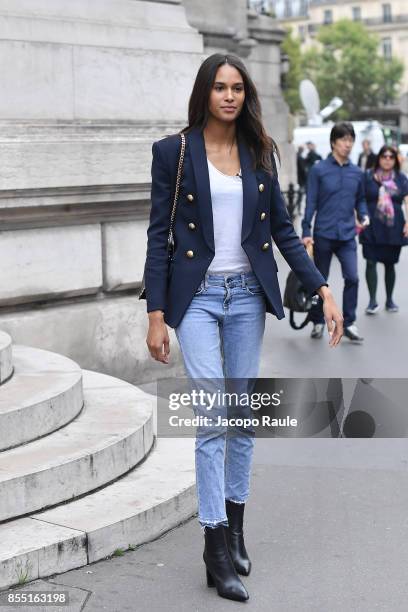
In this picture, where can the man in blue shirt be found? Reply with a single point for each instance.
(335, 192)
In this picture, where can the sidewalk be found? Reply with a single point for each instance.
(326, 529)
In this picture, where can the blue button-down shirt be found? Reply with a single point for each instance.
(334, 192)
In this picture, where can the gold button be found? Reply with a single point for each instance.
(265, 246)
(190, 197)
(263, 215)
(261, 187)
(192, 226)
(190, 254)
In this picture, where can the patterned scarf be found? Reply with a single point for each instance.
(388, 187)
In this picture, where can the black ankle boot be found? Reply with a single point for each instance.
(220, 569)
(235, 537)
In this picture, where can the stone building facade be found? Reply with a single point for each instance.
(86, 88)
(388, 19)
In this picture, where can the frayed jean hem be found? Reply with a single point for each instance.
(213, 524)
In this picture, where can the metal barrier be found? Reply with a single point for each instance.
(293, 198)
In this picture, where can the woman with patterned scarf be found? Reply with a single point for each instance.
(387, 201)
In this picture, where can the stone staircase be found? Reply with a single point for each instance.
(82, 473)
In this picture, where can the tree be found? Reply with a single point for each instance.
(291, 48)
(347, 63)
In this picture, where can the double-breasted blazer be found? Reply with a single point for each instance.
(171, 287)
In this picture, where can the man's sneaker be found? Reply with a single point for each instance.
(372, 308)
(351, 332)
(317, 331)
(390, 306)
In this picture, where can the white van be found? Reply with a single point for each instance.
(320, 136)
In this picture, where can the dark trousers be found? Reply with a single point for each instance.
(346, 253)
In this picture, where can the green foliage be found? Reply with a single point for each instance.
(23, 573)
(291, 47)
(347, 63)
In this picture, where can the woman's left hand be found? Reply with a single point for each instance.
(405, 230)
(332, 315)
(365, 223)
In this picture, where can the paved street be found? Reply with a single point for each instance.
(290, 353)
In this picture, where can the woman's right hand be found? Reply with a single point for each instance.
(157, 340)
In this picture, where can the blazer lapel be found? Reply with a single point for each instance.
(198, 154)
(249, 189)
(196, 144)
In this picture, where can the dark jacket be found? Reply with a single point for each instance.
(171, 288)
(371, 159)
(377, 232)
(334, 193)
(311, 158)
(301, 170)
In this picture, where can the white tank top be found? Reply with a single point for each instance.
(227, 206)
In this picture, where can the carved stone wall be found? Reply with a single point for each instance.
(87, 86)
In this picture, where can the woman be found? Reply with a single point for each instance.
(387, 195)
(221, 281)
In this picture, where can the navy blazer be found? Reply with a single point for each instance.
(172, 287)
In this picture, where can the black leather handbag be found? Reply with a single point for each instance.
(297, 299)
(170, 238)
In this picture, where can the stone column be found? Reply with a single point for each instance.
(265, 62)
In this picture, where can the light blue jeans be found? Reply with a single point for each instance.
(220, 338)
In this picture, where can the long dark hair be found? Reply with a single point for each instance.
(249, 122)
(388, 149)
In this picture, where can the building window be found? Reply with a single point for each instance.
(387, 48)
(288, 8)
(303, 7)
(387, 13)
(260, 6)
(328, 17)
(302, 33)
(356, 12)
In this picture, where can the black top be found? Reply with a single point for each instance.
(370, 161)
(311, 158)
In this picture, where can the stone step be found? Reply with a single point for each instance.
(113, 432)
(44, 394)
(6, 362)
(154, 497)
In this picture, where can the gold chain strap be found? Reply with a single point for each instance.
(170, 242)
(179, 170)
